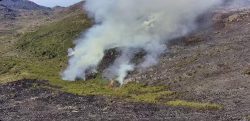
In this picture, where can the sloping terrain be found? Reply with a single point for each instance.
(204, 76)
(13, 11)
(211, 65)
(18, 17)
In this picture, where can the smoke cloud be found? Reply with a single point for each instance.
(132, 25)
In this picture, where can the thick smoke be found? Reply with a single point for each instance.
(132, 25)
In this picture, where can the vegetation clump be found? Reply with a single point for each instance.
(194, 105)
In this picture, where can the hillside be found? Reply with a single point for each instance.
(22, 4)
(12, 10)
(203, 76)
(50, 41)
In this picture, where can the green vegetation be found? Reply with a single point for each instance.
(194, 105)
(5, 66)
(130, 92)
(19, 68)
(152, 97)
(42, 55)
(53, 40)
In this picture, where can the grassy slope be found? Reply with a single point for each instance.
(42, 55)
(53, 40)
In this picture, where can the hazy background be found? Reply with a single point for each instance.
(52, 3)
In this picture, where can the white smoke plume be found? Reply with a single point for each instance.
(132, 25)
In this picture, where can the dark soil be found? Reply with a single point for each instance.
(30, 100)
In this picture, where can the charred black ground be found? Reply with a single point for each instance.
(36, 100)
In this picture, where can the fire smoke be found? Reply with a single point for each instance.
(132, 25)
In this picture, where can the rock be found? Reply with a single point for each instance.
(233, 18)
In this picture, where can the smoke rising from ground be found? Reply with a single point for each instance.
(132, 25)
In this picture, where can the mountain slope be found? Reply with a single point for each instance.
(7, 13)
(19, 14)
(14, 23)
(22, 4)
(54, 39)
(202, 76)
(210, 65)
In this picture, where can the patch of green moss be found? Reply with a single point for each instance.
(194, 105)
(134, 92)
(151, 97)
